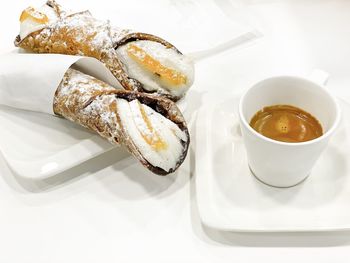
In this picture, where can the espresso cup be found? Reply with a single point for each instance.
(283, 164)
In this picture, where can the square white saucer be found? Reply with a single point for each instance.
(230, 198)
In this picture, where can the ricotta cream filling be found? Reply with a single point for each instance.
(156, 137)
(157, 67)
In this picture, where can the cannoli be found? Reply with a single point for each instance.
(139, 61)
(151, 127)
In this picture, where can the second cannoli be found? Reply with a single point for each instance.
(139, 61)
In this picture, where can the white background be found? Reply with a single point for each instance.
(101, 212)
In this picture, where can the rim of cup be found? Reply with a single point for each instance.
(292, 144)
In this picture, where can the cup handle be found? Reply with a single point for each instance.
(319, 76)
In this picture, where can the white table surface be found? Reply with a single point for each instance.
(101, 212)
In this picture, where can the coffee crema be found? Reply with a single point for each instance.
(286, 123)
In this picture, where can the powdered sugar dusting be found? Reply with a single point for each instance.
(73, 34)
(95, 105)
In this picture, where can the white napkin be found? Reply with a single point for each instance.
(29, 81)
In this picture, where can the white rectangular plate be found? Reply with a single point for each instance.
(230, 198)
(38, 146)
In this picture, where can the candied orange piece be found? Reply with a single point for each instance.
(167, 74)
(36, 16)
(154, 140)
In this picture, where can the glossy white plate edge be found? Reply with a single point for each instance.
(63, 160)
(209, 216)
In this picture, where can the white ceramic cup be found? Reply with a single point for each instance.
(283, 164)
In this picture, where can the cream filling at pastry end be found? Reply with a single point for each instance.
(157, 67)
(158, 139)
(33, 19)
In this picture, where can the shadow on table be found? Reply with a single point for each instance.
(319, 239)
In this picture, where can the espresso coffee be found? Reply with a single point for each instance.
(286, 123)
